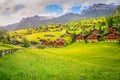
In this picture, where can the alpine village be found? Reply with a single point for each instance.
(83, 49)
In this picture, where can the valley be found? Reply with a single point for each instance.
(82, 46)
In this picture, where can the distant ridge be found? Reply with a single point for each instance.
(96, 10)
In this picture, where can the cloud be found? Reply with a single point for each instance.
(18, 7)
(14, 10)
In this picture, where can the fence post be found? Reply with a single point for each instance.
(3, 52)
(10, 50)
(6, 51)
(0, 52)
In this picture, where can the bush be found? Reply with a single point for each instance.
(40, 46)
(86, 41)
(93, 42)
(73, 38)
(15, 42)
(25, 42)
(119, 41)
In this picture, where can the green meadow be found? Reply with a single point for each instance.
(79, 61)
(7, 46)
(51, 52)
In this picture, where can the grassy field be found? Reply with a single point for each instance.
(7, 46)
(79, 61)
(41, 35)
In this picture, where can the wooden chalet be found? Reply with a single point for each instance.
(59, 42)
(95, 31)
(47, 43)
(112, 30)
(112, 35)
(80, 37)
(92, 38)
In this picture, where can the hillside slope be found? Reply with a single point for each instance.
(77, 61)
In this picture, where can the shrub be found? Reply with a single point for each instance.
(119, 41)
(93, 42)
(39, 46)
(25, 42)
(86, 41)
(73, 38)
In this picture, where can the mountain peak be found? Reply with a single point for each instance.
(36, 16)
(100, 7)
(95, 10)
(117, 11)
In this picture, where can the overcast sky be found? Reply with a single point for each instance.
(12, 11)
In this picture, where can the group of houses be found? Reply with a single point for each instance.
(94, 36)
(60, 42)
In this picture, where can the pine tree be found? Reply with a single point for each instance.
(109, 21)
(73, 38)
(119, 34)
(8, 38)
(2, 35)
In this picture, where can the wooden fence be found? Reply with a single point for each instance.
(4, 52)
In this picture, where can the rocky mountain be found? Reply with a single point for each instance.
(28, 22)
(65, 18)
(117, 11)
(96, 10)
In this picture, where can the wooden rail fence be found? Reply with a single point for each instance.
(4, 52)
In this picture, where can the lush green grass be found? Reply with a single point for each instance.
(7, 46)
(41, 35)
(80, 61)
